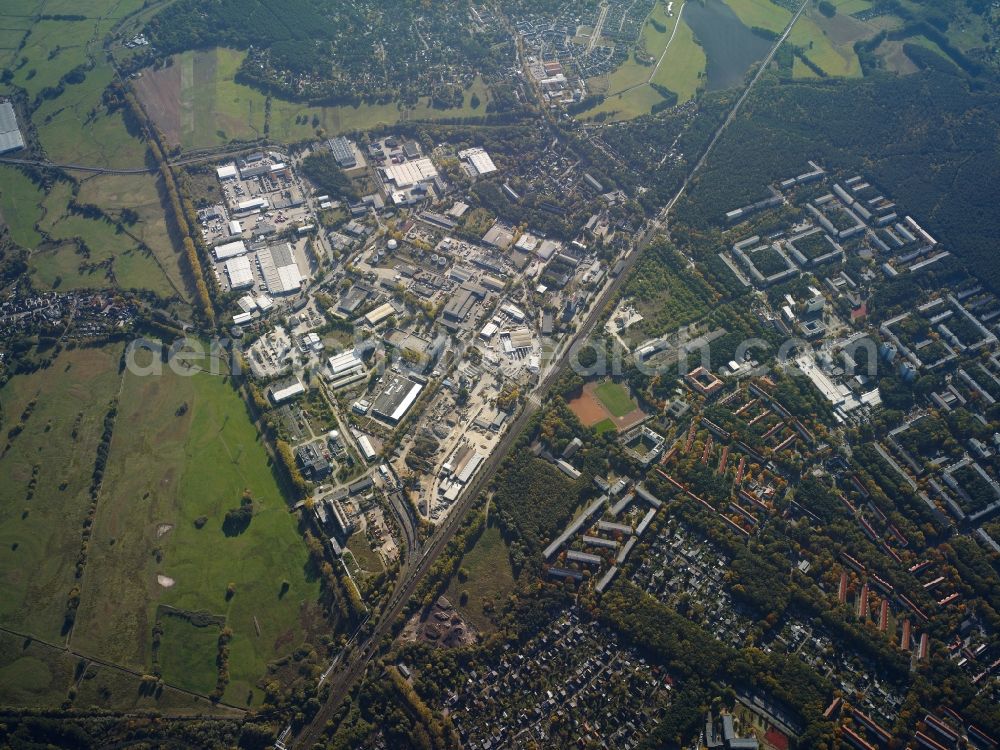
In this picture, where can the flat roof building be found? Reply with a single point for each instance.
(410, 173)
(279, 269)
(380, 313)
(230, 250)
(343, 152)
(286, 390)
(239, 272)
(228, 172)
(479, 160)
(396, 399)
(10, 134)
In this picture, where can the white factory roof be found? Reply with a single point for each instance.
(283, 394)
(344, 362)
(235, 227)
(411, 172)
(249, 205)
(241, 318)
(379, 314)
(279, 269)
(367, 451)
(479, 159)
(264, 302)
(227, 172)
(489, 330)
(470, 467)
(239, 272)
(230, 250)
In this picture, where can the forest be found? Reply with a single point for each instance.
(333, 51)
(927, 139)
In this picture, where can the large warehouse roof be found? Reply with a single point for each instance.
(411, 172)
(279, 269)
(239, 272)
(10, 136)
(397, 398)
(479, 159)
(230, 250)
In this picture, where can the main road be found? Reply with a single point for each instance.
(360, 649)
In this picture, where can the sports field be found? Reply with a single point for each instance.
(606, 406)
(615, 399)
(188, 456)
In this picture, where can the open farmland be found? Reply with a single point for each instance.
(197, 103)
(52, 422)
(190, 455)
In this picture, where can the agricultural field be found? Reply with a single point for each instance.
(64, 72)
(197, 103)
(189, 455)
(70, 251)
(53, 419)
(489, 580)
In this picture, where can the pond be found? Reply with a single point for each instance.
(730, 46)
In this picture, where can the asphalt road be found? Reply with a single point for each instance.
(355, 664)
(357, 661)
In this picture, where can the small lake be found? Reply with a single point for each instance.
(731, 47)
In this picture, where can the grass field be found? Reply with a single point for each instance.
(169, 468)
(58, 262)
(187, 654)
(40, 537)
(20, 206)
(615, 398)
(490, 579)
(683, 66)
(836, 59)
(74, 127)
(36, 675)
(627, 90)
(605, 425)
(197, 103)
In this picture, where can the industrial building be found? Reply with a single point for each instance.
(479, 161)
(345, 368)
(279, 269)
(392, 404)
(228, 172)
(380, 313)
(343, 152)
(286, 390)
(239, 272)
(410, 173)
(230, 250)
(10, 134)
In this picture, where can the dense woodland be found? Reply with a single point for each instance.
(928, 139)
(334, 51)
